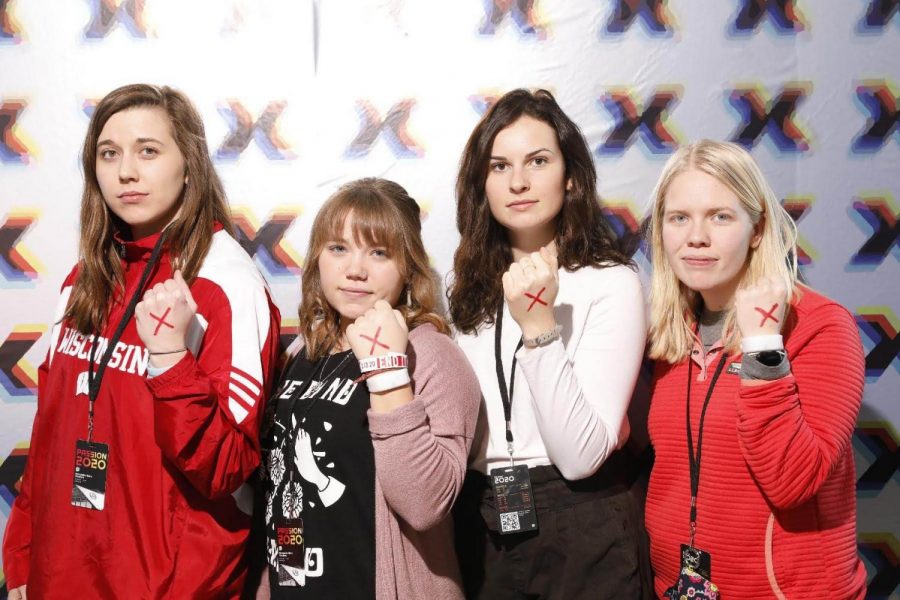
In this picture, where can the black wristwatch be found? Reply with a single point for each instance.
(769, 358)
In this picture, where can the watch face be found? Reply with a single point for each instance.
(770, 358)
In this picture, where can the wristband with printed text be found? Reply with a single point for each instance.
(391, 360)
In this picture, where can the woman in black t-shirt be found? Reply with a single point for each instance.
(373, 418)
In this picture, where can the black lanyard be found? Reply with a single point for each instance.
(694, 458)
(505, 395)
(95, 380)
(303, 390)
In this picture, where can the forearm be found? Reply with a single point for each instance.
(579, 432)
(789, 458)
(794, 430)
(204, 432)
(420, 473)
(388, 400)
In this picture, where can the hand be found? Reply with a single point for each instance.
(379, 331)
(18, 593)
(759, 309)
(306, 461)
(163, 317)
(530, 287)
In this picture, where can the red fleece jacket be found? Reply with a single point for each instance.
(777, 499)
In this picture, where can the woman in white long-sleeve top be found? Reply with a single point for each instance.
(550, 313)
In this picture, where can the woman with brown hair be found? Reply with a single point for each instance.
(551, 315)
(146, 427)
(373, 417)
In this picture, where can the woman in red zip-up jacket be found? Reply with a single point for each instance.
(757, 388)
(147, 427)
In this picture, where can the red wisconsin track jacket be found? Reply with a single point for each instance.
(181, 446)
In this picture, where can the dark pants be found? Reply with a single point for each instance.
(590, 542)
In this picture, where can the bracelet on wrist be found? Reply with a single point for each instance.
(542, 339)
(391, 360)
(388, 380)
(368, 375)
(168, 352)
(761, 343)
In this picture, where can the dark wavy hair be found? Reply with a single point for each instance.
(583, 235)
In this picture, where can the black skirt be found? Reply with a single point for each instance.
(590, 543)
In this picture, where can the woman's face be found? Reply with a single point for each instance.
(354, 275)
(526, 181)
(707, 235)
(140, 169)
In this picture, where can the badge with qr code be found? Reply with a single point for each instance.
(513, 499)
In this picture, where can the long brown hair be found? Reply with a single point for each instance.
(583, 236)
(100, 279)
(383, 215)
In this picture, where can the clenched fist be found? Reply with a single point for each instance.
(760, 309)
(380, 330)
(530, 287)
(162, 319)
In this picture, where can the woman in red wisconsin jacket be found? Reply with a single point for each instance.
(150, 396)
(758, 385)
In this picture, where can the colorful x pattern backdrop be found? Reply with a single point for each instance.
(299, 96)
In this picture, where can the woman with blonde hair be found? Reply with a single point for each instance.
(758, 384)
(146, 427)
(373, 418)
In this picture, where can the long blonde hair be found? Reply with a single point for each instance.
(673, 305)
(383, 215)
(100, 278)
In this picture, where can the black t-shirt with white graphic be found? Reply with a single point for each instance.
(319, 466)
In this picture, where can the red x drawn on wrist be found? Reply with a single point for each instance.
(374, 341)
(767, 315)
(162, 321)
(536, 298)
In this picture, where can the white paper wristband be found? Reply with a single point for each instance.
(391, 360)
(762, 343)
(388, 380)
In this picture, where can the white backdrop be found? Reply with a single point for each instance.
(335, 90)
